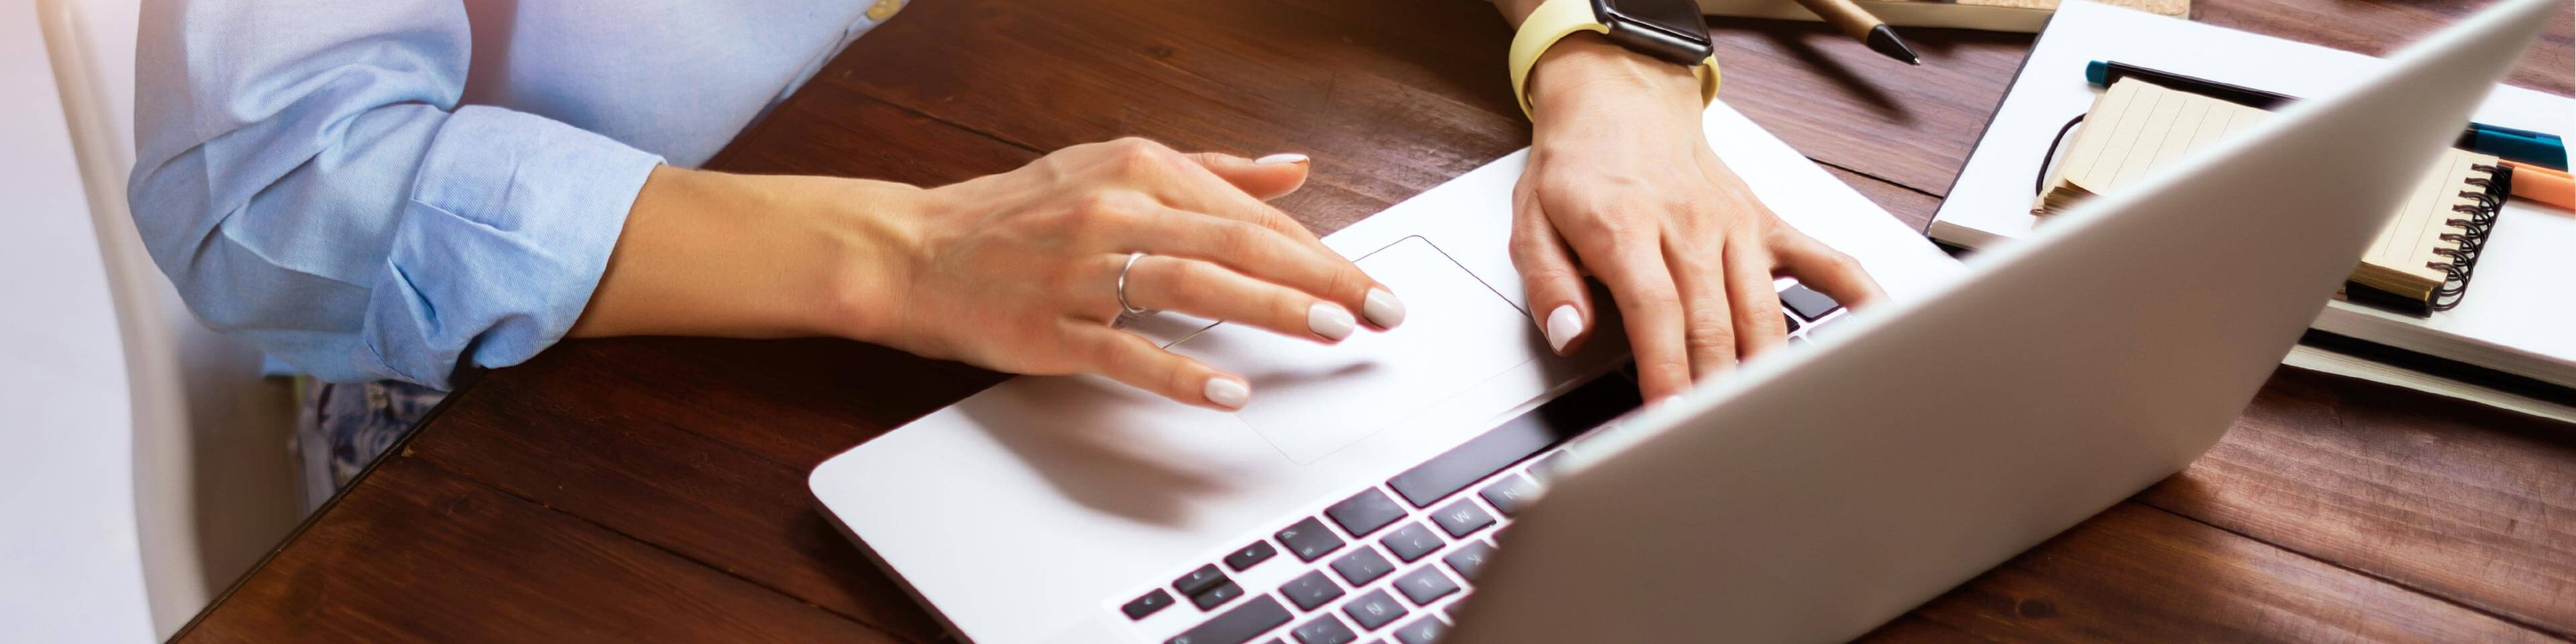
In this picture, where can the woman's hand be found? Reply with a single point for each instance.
(1621, 182)
(1017, 272)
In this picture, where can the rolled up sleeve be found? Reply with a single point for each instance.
(498, 242)
(307, 178)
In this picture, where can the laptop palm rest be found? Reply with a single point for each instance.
(1312, 400)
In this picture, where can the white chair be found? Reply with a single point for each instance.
(212, 486)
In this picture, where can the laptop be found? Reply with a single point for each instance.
(1451, 480)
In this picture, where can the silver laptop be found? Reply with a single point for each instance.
(1883, 458)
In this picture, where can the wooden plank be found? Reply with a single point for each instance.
(2136, 574)
(642, 463)
(414, 554)
(2445, 496)
(1383, 119)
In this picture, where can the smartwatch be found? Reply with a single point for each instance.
(1670, 30)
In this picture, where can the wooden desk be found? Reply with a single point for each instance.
(653, 488)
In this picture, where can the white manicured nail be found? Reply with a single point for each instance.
(1330, 320)
(1562, 325)
(1227, 392)
(1283, 157)
(1383, 309)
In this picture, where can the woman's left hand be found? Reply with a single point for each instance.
(1621, 182)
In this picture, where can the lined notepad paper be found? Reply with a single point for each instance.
(2136, 127)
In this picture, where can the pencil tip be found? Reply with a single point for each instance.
(1884, 41)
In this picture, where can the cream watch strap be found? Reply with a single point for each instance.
(1556, 19)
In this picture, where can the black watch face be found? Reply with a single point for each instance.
(1669, 29)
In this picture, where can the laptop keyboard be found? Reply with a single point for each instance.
(1392, 561)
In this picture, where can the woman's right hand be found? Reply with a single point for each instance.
(1017, 272)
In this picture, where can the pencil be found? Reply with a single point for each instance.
(1860, 25)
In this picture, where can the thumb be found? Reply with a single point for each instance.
(1267, 178)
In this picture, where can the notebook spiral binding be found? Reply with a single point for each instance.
(2472, 238)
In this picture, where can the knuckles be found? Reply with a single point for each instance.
(1137, 158)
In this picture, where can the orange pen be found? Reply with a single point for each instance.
(2543, 185)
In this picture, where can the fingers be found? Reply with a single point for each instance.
(1821, 267)
(1199, 199)
(1211, 291)
(1651, 306)
(1265, 178)
(1269, 256)
(1708, 320)
(1558, 302)
(1135, 361)
(1758, 322)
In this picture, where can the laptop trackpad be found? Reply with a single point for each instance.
(1311, 400)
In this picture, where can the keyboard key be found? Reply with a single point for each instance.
(1310, 590)
(1365, 512)
(1362, 566)
(1568, 415)
(1373, 610)
(1309, 539)
(1792, 320)
(1462, 518)
(1238, 625)
(1807, 302)
(1326, 629)
(1256, 553)
(1548, 466)
(1420, 631)
(1204, 578)
(1149, 604)
(1468, 559)
(1217, 596)
(1412, 542)
(1511, 493)
(1425, 584)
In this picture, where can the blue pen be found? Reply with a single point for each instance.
(2526, 146)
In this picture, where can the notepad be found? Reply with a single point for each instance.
(2421, 262)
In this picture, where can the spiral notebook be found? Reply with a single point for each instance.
(2423, 259)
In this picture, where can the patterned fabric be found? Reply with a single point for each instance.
(345, 426)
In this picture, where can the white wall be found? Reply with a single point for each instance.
(129, 433)
(70, 563)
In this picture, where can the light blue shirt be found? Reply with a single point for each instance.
(369, 189)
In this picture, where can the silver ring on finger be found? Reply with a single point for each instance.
(1128, 311)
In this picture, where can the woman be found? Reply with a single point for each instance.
(378, 192)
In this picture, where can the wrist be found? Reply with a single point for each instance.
(869, 239)
(1585, 72)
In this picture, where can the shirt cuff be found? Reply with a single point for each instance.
(510, 223)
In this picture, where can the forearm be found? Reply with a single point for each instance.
(733, 255)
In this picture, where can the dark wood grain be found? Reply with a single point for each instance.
(2450, 498)
(652, 488)
(2137, 574)
(416, 554)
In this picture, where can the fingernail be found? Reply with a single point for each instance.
(1330, 320)
(1383, 309)
(1227, 392)
(1283, 157)
(1562, 325)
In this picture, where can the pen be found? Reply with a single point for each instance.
(2533, 148)
(1860, 25)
